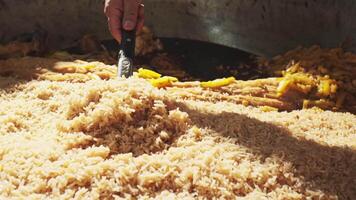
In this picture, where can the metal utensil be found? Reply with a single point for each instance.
(126, 54)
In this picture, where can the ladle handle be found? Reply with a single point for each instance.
(128, 43)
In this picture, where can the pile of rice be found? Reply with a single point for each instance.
(124, 139)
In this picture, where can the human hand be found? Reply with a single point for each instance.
(124, 14)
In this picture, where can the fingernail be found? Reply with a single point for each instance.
(129, 25)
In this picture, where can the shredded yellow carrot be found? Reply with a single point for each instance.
(148, 74)
(163, 81)
(218, 83)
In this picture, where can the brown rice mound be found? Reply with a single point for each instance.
(124, 139)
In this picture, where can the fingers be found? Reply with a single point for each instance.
(115, 28)
(131, 11)
(124, 14)
(140, 18)
(113, 11)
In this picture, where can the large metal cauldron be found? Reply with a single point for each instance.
(264, 27)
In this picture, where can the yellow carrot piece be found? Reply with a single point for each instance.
(333, 88)
(306, 104)
(148, 74)
(245, 102)
(218, 82)
(301, 88)
(171, 78)
(324, 87)
(301, 78)
(165, 81)
(283, 86)
(88, 66)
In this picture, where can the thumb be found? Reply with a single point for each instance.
(131, 8)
